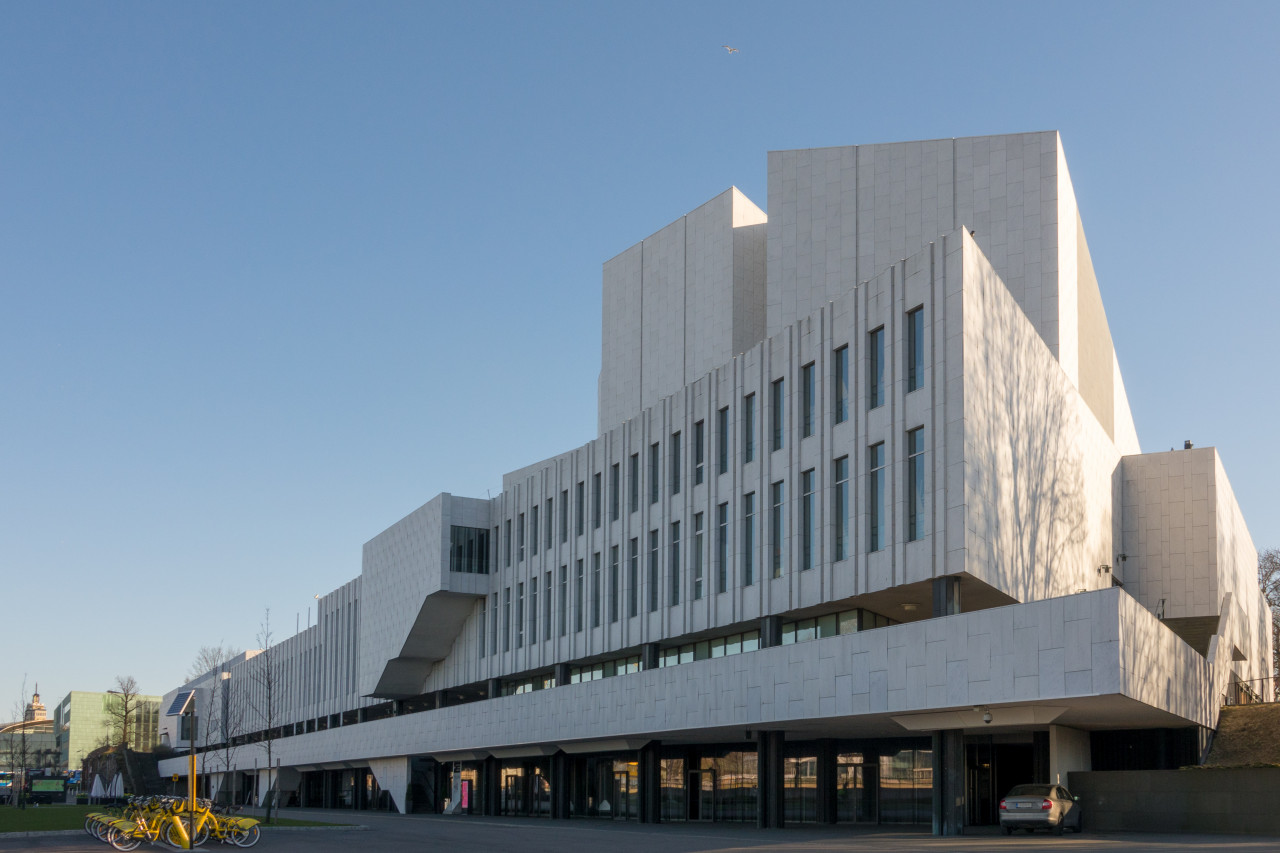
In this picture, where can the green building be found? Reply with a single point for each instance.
(30, 742)
(84, 721)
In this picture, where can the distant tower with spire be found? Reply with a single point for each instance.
(35, 709)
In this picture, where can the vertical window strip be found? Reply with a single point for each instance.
(840, 385)
(722, 547)
(808, 398)
(722, 440)
(748, 538)
(533, 529)
(748, 428)
(546, 606)
(533, 610)
(596, 498)
(564, 600)
(634, 486)
(875, 368)
(613, 583)
(653, 570)
(655, 470)
(915, 349)
(778, 525)
(564, 516)
(875, 497)
(596, 596)
(673, 565)
(777, 414)
(506, 619)
(580, 508)
(697, 555)
(915, 484)
(840, 508)
(519, 615)
(699, 452)
(633, 577)
(675, 463)
(807, 518)
(615, 491)
(579, 599)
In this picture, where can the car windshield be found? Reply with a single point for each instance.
(1032, 791)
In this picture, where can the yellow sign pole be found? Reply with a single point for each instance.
(191, 780)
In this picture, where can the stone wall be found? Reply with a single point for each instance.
(1238, 799)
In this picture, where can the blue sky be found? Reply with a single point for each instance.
(276, 274)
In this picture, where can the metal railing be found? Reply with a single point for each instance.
(1255, 692)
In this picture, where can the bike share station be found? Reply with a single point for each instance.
(184, 706)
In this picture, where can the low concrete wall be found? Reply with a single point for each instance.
(1236, 799)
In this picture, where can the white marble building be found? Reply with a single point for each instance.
(866, 531)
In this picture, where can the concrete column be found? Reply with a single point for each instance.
(1069, 749)
(770, 812)
(491, 782)
(650, 780)
(948, 782)
(559, 786)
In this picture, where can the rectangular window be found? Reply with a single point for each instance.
(777, 412)
(673, 565)
(596, 497)
(748, 428)
(579, 596)
(778, 528)
(546, 606)
(480, 634)
(520, 538)
(653, 570)
(580, 505)
(840, 385)
(807, 518)
(507, 538)
(748, 538)
(468, 550)
(506, 619)
(533, 529)
(519, 615)
(808, 398)
(613, 583)
(840, 509)
(533, 610)
(875, 497)
(699, 452)
(595, 590)
(564, 600)
(655, 462)
(564, 516)
(493, 624)
(875, 368)
(722, 440)
(633, 577)
(697, 555)
(615, 492)
(915, 484)
(675, 463)
(634, 489)
(549, 514)
(722, 547)
(915, 349)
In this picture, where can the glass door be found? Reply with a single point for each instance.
(702, 795)
(625, 795)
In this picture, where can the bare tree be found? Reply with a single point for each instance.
(210, 658)
(122, 713)
(1269, 580)
(224, 724)
(265, 700)
(17, 750)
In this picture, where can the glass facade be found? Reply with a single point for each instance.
(468, 550)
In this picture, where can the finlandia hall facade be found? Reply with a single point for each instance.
(866, 536)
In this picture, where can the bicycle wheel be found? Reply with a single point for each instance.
(246, 837)
(121, 840)
(173, 837)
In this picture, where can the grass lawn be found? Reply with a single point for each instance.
(46, 818)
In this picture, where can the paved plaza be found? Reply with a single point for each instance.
(514, 835)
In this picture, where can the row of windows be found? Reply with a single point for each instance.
(539, 612)
(914, 358)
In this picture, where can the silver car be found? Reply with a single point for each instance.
(1033, 807)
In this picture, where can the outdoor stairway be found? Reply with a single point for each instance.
(1247, 735)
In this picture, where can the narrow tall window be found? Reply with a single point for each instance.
(777, 413)
(595, 501)
(546, 606)
(549, 514)
(519, 615)
(697, 555)
(506, 619)
(579, 596)
(615, 492)
(675, 463)
(613, 583)
(595, 590)
(520, 538)
(807, 518)
(480, 634)
(564, 600)
(533, 529)
(564, 516)
(778, 525)
(580, 507)
(748, 428)
(915, 349)
(655, 463)
(533, 610)
(633, 577)
(673, 568)
(748, 538)
(493, 624)
(633, 489)
(915, 484)
(722, 440)
(722, 547)
(507, 539)
(699, 452)
(653, 570)
(875, 496)
(840, 385)
(875, 368)
(808, 398)
(840, 508)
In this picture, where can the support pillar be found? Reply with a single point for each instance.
(491, 781)
(650, 784)
(948, 782)
(770, 804)
(827, 781)
(559, 786)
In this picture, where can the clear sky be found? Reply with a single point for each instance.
(272, 275)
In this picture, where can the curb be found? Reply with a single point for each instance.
(54, 833)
